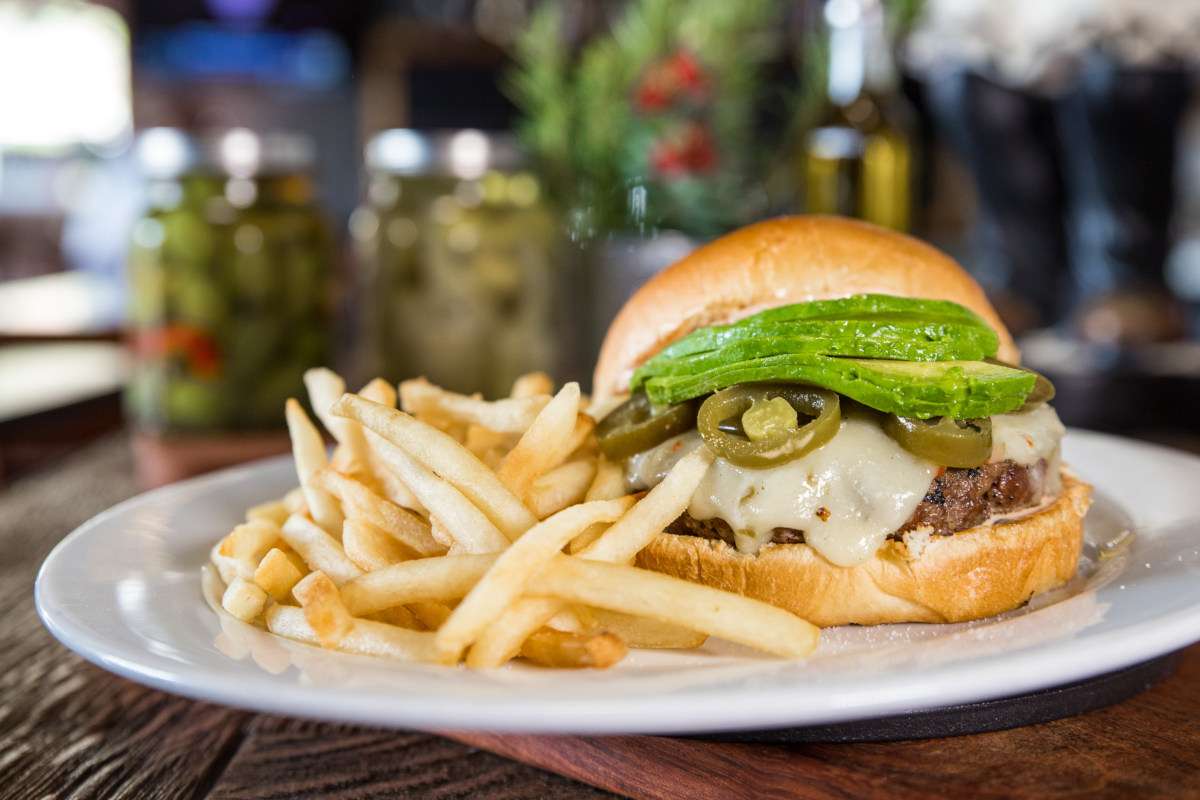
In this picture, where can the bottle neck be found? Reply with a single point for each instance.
(860, 58)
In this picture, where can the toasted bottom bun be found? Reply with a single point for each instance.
(973, 574)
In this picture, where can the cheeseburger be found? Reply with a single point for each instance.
(880, 455)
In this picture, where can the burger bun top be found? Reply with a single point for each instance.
(774, 263)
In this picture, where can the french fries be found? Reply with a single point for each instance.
(461, 530)
(308, 449)
(504, 582)
(550, 648)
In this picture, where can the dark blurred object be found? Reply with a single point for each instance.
(1150, 391)
(1118, 128)
(30, 245)
(1130, 317)
(1069, 119)
(55, 396)
(231, 281)
(426, 72)
(1009, 141)
(167, 458)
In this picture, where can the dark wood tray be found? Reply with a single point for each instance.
(1133, 733)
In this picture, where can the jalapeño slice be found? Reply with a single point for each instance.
(719, 421)
(637, 425)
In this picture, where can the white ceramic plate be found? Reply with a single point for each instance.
(125, 592)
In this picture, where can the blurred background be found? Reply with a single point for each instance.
(199, 199)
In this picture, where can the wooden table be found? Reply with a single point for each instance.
(68, 729)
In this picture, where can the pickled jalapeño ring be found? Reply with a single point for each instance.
(720, 414)
(637, 425)
(943, 440)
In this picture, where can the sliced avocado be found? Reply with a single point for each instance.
(959, 389)
(866, 306)
(909, 341)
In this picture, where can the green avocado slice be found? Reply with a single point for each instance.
(923, 389)
(880, 310)
(906, 341)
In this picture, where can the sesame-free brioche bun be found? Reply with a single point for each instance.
(773, 263)
(917, 577)
(973, 574)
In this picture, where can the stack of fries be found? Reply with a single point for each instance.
(463, 530)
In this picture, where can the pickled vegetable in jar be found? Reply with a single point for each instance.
(454, 248)
(231, 269)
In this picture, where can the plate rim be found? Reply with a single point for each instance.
(1099, 656)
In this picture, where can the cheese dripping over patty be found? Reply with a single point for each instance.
(848, 495)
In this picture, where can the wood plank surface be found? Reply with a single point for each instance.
(69, 730)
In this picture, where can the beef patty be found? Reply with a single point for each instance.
(957, 499)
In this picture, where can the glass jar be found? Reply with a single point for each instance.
(454, 245)
(231, 281)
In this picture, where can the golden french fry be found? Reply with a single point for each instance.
(308, 449)
(532, 384)
(542, 445)
(398, 616)
(276, 574)
(438, 578)
(440, 454)
(639, 631)
(502, 585)
(324, 388)
(444, 537)
(487, 445)
(319, 550)
(502, 642)
(323, 608)
(250, 540)
(563, 486)
(582, 438)
(296, 559)
(358, 500)
(365, 637)
(561, 649)
(294, 502)
(620, 543)
(509, 415)
(370, 548)
(429, 519)
(583, 540)
(655, 511)
(609, 482)
(431, 613)
(275, 511)
(451, 513)
(631, 590)
(381, 392)
(243, 599)
(228, 567)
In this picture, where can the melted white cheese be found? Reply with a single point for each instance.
(846, 496)
(1029, 437)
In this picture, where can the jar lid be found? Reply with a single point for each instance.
(237, 152)
(463, 154)
(165, 152)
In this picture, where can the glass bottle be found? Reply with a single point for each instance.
(857, 160)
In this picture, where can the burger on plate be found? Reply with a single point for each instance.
(880, 455)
